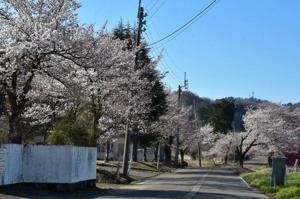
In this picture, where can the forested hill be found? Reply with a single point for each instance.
(230, 108)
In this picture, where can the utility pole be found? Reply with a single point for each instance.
(185, 85)
(141, 22)
(140, 17)
(199, 142)
(125, 168)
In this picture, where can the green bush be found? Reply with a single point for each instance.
(58, 137)
(70, 131)
(4, 137)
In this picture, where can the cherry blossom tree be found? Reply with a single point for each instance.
(171, 124)
(269, 128)
(223, 145)
(190, 136)
(187, 134)
(51, 63)
(37, 38)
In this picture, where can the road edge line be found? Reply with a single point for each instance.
(246, 183)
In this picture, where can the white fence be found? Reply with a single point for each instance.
(46, 164)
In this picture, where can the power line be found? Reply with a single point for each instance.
(157, 9)
(153, 6)
(148, 4)
(185, 28)
(171, 75)
(186, 24)
(173, 62)
(164, 63)
(166, 67)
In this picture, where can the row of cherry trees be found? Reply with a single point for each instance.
(50, 64)
(270, 129)
(53, 66)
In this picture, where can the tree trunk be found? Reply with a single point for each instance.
(155, 152)
(135, 142)
(15, 133)
(168, 151)
(96, 108)
(241, 161)
(145, 154)
(17, 103)
(126, 152)
(182, 152)
(226, 159)
(270, 156)
(107, 151)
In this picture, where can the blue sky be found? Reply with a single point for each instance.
(236, 48)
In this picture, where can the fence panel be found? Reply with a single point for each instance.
(47, 164)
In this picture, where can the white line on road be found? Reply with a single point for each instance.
(245, 183)
(197, 187)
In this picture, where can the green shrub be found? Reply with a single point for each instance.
(70, 131)
(58, 137)
(4, 137)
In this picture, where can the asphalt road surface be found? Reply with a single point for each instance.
(190, 183)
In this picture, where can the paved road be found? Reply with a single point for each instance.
(190, 183)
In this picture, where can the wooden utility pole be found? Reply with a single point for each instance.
(128, 136)
(139, 30)
(140, 17)
(185, 85)
(199, 142)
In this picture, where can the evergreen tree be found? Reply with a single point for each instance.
(221, 115)
(158, 102)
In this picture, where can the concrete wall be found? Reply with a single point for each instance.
(49, 164)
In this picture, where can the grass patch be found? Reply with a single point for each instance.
(109, 177)
(104, 176)
(145, 166)
(239, 170)
(262, 181)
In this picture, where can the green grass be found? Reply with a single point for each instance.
(262, 180)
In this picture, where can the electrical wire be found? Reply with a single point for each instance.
(148, 4)
(165, 65)
(154, 47)
(153, 6)
(185, 28)
(157, 9)
(186, 24)
(173, 62)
